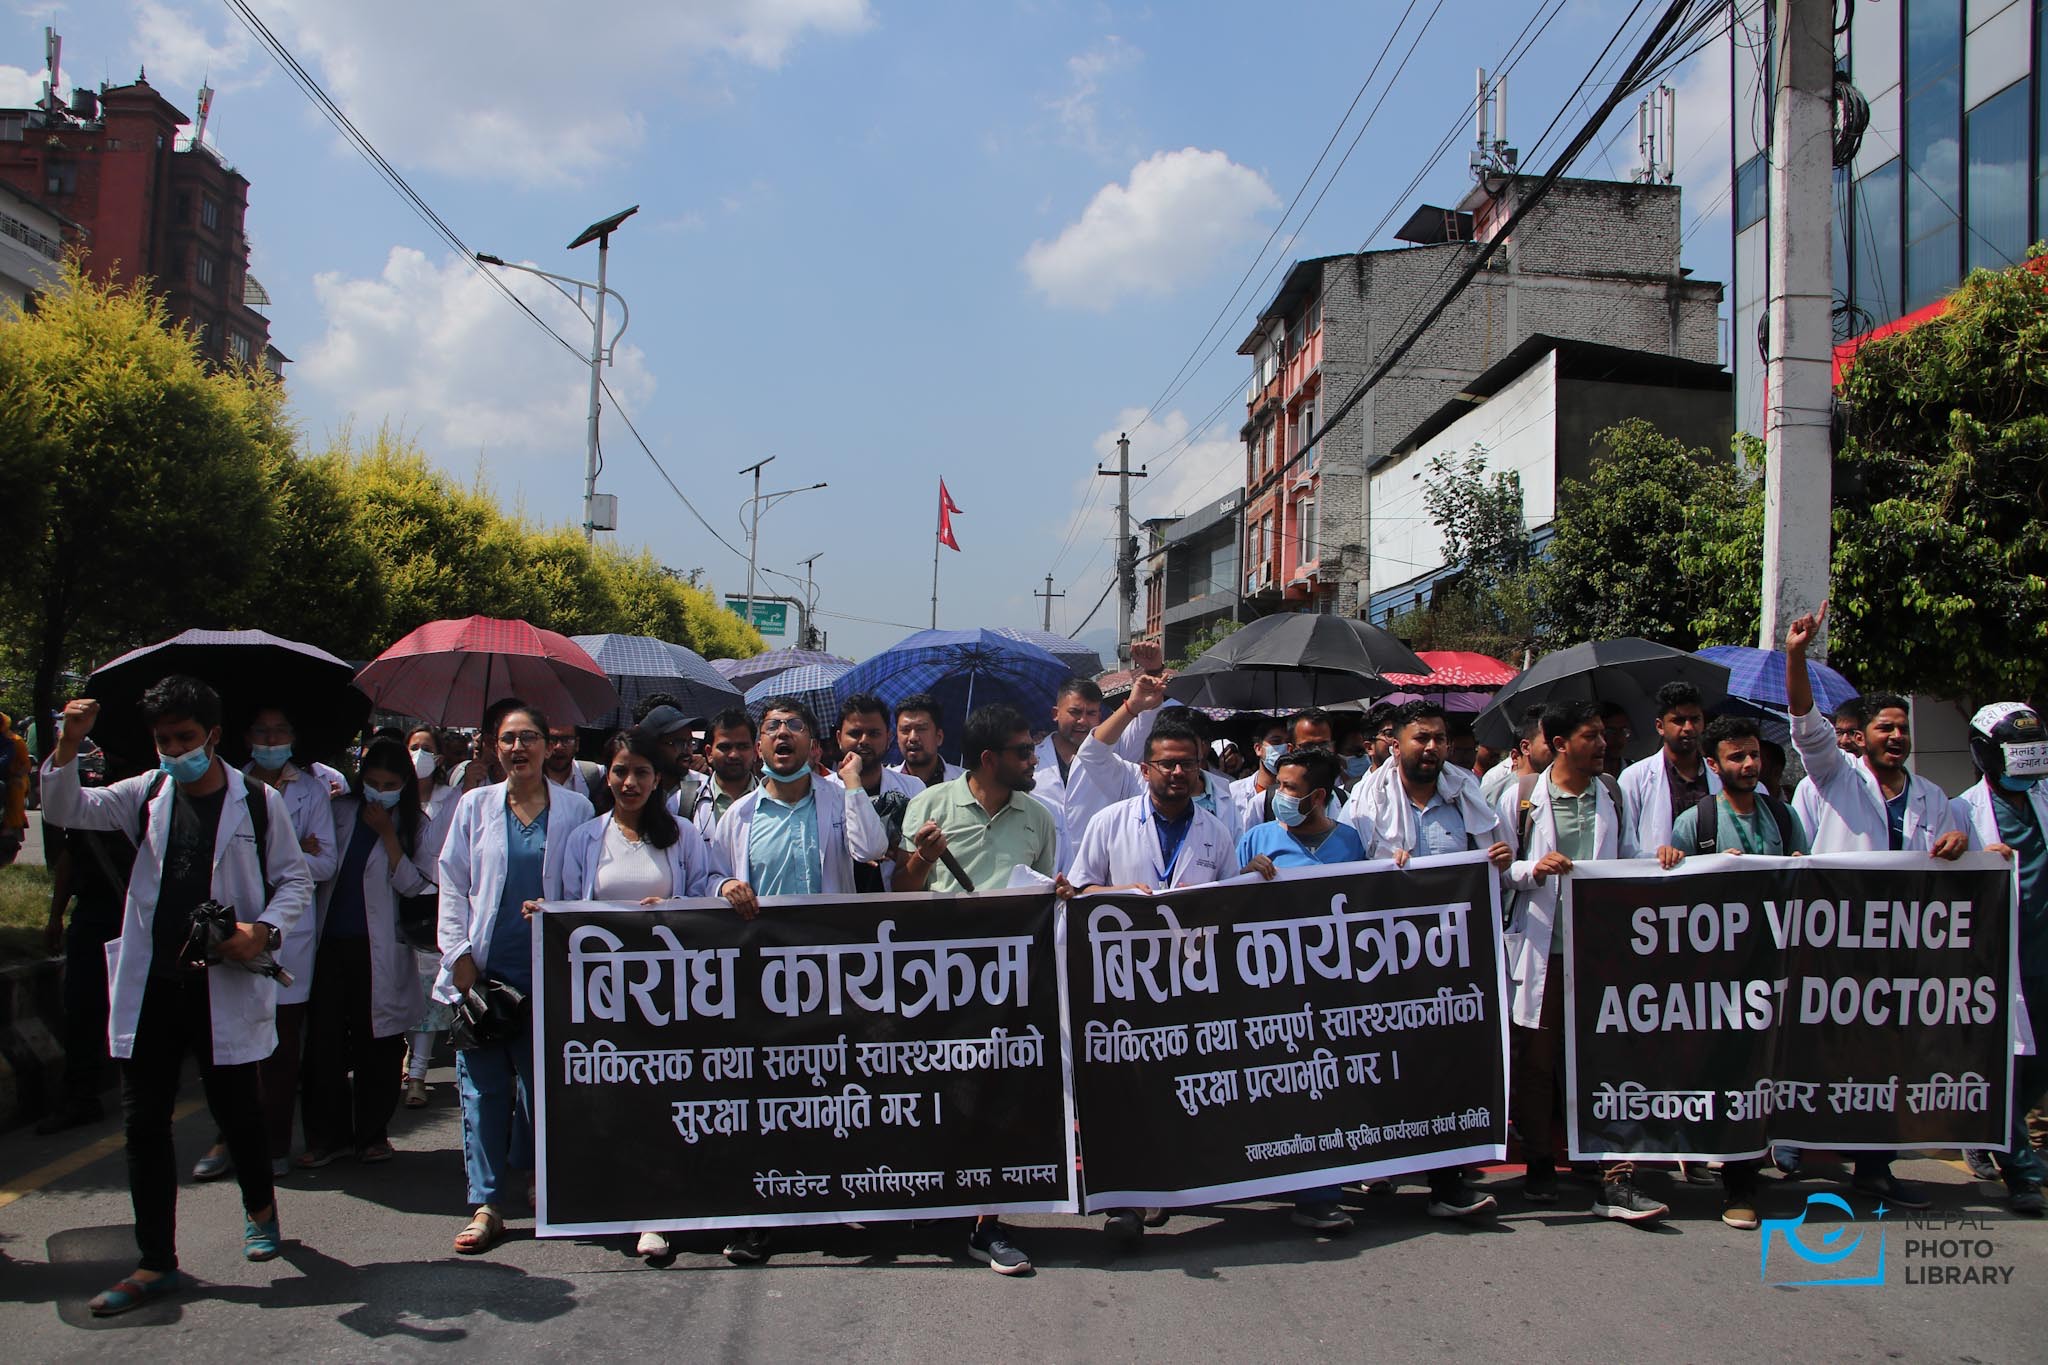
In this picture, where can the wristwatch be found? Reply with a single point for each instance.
(275, 937)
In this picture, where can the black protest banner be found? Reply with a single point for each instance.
(831, 1060)
(1852, 1002)
(1263, 1038)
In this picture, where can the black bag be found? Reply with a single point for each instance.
(1707, 822)
(490, 1012)
(419, 922)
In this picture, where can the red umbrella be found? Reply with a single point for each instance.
(448, 672)
(1456, 671)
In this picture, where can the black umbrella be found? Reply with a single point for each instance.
(1294, 660)
(1627, 672)
(249, 668)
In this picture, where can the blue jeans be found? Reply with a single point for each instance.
(1307, 1199)
(497, 1115)
(2022, 1166)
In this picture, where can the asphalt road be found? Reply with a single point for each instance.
(368, 1273)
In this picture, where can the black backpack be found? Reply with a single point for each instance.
(259, 825)
(1707, 822)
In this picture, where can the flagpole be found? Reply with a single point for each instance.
(937, 523)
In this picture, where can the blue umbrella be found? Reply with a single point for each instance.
(1084, 661)
(1758, 675)
(744, 673)
(640, 666)
(962, 670)
(811, 684)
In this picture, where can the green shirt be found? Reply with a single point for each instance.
(1756, 832)
(1572, 817)
(987, 848)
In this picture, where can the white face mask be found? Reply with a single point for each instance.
(423, 762)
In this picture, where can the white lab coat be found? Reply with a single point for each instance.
(704, 811)
(396, 1001)
(908, 788)
(1121, 848)
(849, 831)
(243, 1003)
(1226, 805)
(1534, 920)
(306, 796)
(1847, 805)
(1386, 820)
(1076, 798)
(1975, 815)
(1646, 800)
(952, 770)
(473, 871)
(692, 868)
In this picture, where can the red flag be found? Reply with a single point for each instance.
(947, 507)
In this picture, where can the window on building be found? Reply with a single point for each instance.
(60, 177)
(12, 126)
(181, 207)
(238, 347)
(1751, 191)
(1305, 429)
(1933, 119)
(1311, 548)
(1876, 206)
(209, 211)
(205, 268)
(1296, 331)
(2041, 124)
(1315, 315)
(1995, 192)
(205, 336)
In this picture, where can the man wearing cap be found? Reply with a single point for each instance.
(671, 729)
(2008, 812)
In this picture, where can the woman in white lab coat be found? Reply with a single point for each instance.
(366, 988)
(638, 850)
(507, 844)
(437, 796)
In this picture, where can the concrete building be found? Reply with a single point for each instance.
(1950, 175)
(141, 205)
(31, 245)
(1594, 261)
(1535, 413)
(1191, 572)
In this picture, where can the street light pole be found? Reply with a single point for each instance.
(810, 598)
(755, 504)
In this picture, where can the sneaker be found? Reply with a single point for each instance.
(260, 1241)
(70, 1116)
(1125, 1225)
(1696, 1172)
(1539, 1186)
(313, 1158)
(1740, 1213)
(990, 1242)
(1891, 1190)
(749, 1248)
(280, 1167)
(415, 1092)
(1322, 1218)
(1459, 1201)
(1156, 1218)
(1787, 1159)
(1621, 1199)
(1976, 1158)
(214, 1165)
(2027, 1199)
(651, 1244)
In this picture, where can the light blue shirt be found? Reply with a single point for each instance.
(1276, 841)
(1440, 828)
(784, 856)
(526, 849)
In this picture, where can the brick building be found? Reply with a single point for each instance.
(1594, 261)
(142, 205)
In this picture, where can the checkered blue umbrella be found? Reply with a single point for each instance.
(1080, 658)
(744, 673)
(811, 684)
(640, 665)
(963, 670)
(1758, 675)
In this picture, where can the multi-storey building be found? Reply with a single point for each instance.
(141, 205)
(1593, 261)
(1191, 572)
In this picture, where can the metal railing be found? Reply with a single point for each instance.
(39, 242)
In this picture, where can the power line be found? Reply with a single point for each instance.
(711, 530)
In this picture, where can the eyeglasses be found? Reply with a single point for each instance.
(1020, 750)
(569, 738)
(794, 724)
(1176, 765)
(521, 739)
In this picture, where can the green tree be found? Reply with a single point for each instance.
(1486, 605)
(1205, 640)
(156, 511)
(1638, 542)
(1940, 567)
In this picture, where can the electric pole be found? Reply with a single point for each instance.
(754, 505)
(1798, 472)
(810, 632)
(1048, 595)
(1126, 548)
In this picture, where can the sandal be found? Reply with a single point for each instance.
(313, 1158)
(485, 1231)
(415, 1092)
(131, 1294)
(377, 1152)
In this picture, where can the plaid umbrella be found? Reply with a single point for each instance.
(1627, 672)
(640, 666)
(1758, 675)
(1084, 661)
(744, 673)
(449, 672)
(249, 668)
(963, 670)
(811, 685)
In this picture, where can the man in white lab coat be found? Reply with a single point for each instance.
(1071, 796)
(1870, 804)
(1676, 778)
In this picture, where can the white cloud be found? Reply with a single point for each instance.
(1700, 159)
(1077, 108)
(1169, 224)
(433, 349)
(179, 53)
(1180, 476)
(18, 88)
(534, 91)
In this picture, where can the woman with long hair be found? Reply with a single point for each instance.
(506, 845)
(428, 747)
(366, 986)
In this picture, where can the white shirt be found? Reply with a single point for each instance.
(628, 870)
(1646, 799)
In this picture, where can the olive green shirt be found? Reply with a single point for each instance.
(987, 848)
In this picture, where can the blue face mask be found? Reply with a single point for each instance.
(1287, 809)
(388, 800)
(1357, 766)
(2018, 784)
(271, 757)
(187, 767)
(1274, 753)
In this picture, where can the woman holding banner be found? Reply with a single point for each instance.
(507, 845)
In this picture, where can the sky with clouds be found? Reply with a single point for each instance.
(882, 241)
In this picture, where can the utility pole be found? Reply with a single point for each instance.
(755, 504)
(810, 602)
(1798, 474)
(1048, 595)
(596, 518)
(1126, 550)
